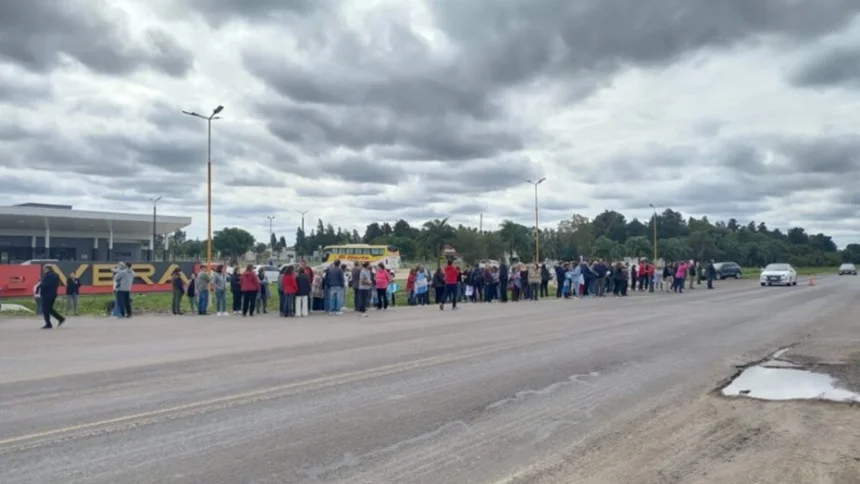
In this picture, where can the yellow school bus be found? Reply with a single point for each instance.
(359, 253)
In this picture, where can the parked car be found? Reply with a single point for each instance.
(778, 274)
(846, 269)
(726, 270)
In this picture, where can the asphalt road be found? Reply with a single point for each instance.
(412, 395)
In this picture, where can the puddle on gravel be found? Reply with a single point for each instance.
(766, 383)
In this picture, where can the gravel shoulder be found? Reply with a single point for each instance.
(713, 439)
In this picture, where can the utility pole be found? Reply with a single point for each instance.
(481, 224)
(154, 219)
(208, 180)
(537, 227)
(271, 242)
(303, 230)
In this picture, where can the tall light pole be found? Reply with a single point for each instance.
(655, 231)
(303, 228)
(537, 227)
(154, 218)
(208, 119)
(271, 242)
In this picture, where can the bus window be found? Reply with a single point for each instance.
(361, 251)
(376, 251)
(326, 256)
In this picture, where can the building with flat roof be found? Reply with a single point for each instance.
(41, 231)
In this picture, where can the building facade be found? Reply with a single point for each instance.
(39, 231)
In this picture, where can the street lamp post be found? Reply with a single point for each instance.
(154, 219)
(208, 119)
(303, 228)
(655, 231)
(537, 227)
(271, 242)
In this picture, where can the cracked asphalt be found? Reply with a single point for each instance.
(490, 393)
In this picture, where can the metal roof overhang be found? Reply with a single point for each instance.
(38, 219)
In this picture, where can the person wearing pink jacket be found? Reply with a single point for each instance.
(383, 278)
(680, 275)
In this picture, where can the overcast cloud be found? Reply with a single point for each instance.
(374, 110)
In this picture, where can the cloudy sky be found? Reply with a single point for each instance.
(374, 110)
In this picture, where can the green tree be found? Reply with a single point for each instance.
(232, 241)
(435, 235)
(517, 238)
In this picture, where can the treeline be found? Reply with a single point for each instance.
(609, 235)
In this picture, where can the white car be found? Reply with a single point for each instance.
(778, 275)
(846, 269)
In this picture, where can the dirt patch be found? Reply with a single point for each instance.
(716, 440)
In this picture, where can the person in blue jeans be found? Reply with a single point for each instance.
(203, 282)
(334, 280)
(219, 283)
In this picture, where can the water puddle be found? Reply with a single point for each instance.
(767, 383)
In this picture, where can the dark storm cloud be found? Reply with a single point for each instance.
(839, 66)
(589, 35)
(415, 103)
(218, 12)
(304, 189)
(401, 137)
(479, 177)
(37, 33)
(833, 155)
(358, 169)
(254, 176)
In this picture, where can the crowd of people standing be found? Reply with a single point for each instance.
(302, 290)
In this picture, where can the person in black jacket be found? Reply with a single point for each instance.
(178, 291)
(48, 289)
(504, 278)
(559, 279)
(73, 288)
(303, 292)
(236, 289)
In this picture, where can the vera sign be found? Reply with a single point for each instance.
(97, 278)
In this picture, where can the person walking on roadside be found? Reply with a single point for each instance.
(124, 279)
(711, 273)
(73, 289)
(48, 289)
(178, 291)
(291, 288)
(236, 289)
(250, 285)
(451, 279)
(219, 283)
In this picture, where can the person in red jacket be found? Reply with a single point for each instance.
(290, 289)
(452, 277)
(250, 285)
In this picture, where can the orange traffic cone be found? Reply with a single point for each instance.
(812, 280)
